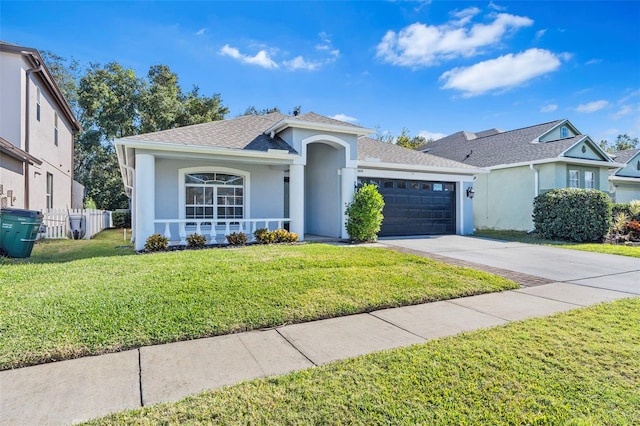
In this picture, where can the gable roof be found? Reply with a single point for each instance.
(35, 60)
(624, 156)
(315, 121)
(503, 148)
(371, 151)
(245, 132)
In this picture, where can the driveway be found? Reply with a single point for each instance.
(605, 271)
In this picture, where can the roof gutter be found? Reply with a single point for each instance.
(596, 163)
(421, 168)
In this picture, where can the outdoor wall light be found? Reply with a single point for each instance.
(470, 192)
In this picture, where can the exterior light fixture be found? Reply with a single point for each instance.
(470, 192)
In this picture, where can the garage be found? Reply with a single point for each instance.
(416, 207)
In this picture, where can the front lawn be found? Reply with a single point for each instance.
(523, 237)
(53, 307)
(576, 368)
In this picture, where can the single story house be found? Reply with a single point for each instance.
(625, 182)
(522, 164)
(276, 170)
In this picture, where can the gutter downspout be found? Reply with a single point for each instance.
(536, 186)
(38, 68)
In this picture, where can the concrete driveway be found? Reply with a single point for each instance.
(605, 271)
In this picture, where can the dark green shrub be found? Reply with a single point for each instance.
(264, 236)
(364, 214)
(156, 242)
(572, 214)
(284, 236)
(632, 209)
(237, 239)
(196, 240)
(121, 219)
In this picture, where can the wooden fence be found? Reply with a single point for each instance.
(56, 222)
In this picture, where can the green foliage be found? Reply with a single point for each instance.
(572, 214)
(264, 236)
(196, 240)
(156, 242)
(364, 214)
(284, 236)
(90, 204)
(237, 239)
(121, 219)
(405, 140)
(622, 143)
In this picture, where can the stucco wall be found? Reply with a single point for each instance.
(555, 134)
(12, 179)
(626, 192)
(265, 189)
(322, 190)
(12, 100)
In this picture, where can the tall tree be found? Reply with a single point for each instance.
(160, 100)
(407, 141)
(252, 110)
(66, 74)
(622, 142)
(197, 108)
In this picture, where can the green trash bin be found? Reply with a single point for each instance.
(18, 231)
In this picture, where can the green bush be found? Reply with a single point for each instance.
(264, 236)
(364, 214)
(572, 214)
(632, 209)
(121, 219)
(156, 242)
(284, 236)
(237, 239)
(196, 240)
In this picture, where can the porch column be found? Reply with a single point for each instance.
(145, 191)
(348, 189)
(296, 199)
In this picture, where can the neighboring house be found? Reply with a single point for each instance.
(37, 128)
(277, 170)
(625, 182)
(522, 164)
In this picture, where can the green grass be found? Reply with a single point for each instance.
(53, 307)
(523, 237)
(577, 368)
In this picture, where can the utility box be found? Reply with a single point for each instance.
(18, 231)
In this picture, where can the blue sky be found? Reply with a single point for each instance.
(433, 67)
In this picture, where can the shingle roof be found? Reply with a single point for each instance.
(624, 156)
(246, 132)
(514, 146)
(369, 149)
(317, 118)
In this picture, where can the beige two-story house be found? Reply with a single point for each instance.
(37, 128)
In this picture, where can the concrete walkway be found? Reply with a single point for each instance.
(76, 390)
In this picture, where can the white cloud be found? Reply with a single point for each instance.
(592, 106)
(200, 31)
(299, 63)
(261, 58)
(431, 135)
(548, 108)
(593, 61)
(625, 110)
(501, 73)
(629, 96)
(464, 16)
(494, 6)
(427, 45)
(344, 117)
(540, 34)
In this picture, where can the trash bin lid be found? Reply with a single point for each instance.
(23, 213)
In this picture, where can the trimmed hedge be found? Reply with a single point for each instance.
(572, 214)
(121, 219)
(364, 214)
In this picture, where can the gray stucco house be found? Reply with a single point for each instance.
(625, 181)
(522, 164)
(277, 170)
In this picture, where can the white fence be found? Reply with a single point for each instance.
(56, 222)
(176, 230)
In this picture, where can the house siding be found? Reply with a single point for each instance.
(625, 193)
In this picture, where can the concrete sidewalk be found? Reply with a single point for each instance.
(76, 390)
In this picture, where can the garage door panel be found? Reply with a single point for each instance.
(416, 207)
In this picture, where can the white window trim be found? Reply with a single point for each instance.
(593, 179)
(182, 195)
(578, 183)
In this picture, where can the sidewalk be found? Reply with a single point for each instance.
(76, 390)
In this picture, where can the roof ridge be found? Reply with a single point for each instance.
(521, 128)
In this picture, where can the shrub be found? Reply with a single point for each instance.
(632, 209)
(237, 239)
(264, 236)
(284, 236)
(196, 240)
(156, 242)
(572, 214)
(121, 219)
(364, 214)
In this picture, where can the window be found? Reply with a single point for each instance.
(589, 180)
(55, 128)
(214, 196)
(49, 191)
(574, 179)
(38, 103)
(563, 132)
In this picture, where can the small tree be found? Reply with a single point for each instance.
(364, 214)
